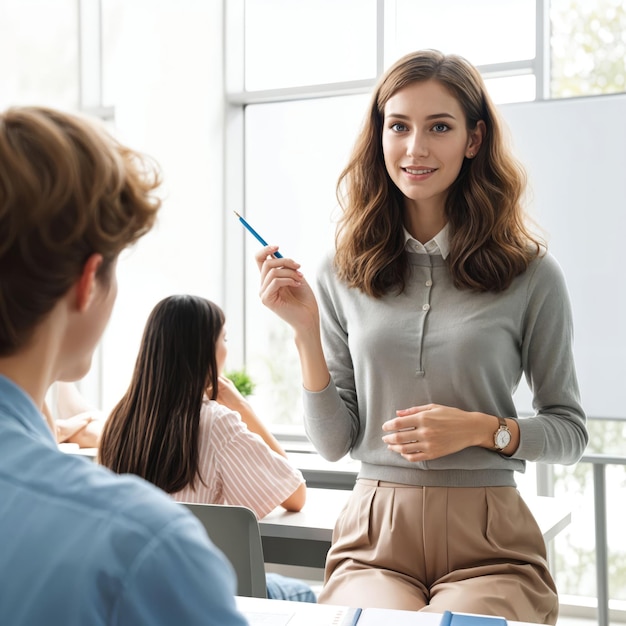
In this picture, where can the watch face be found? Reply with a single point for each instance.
(503, 438)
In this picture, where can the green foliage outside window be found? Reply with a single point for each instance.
(242, 381)
(587, 47)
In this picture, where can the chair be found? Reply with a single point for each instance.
(235, 531)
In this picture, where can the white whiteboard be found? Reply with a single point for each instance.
(575, 154)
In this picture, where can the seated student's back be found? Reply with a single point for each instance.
(86, 546)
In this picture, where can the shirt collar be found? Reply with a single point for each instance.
(439, 244)
(16, 404)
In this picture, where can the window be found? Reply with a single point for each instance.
(588, 47)
(486, 32)
(153, 70)
(161, 77)
(291, 203)
(292, 44)
(39, 64)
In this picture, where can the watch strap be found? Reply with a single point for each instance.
(502, 425)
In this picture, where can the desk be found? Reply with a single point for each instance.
(303, 538)
(73, 448)
(325, 474)
(264, 612)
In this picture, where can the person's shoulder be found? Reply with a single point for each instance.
(326, 272)
(111, 509)
(222, 423)
(128, 500)
(545, 266)
(154, 543)
(72, 486)
(544, 278)
(212, 412)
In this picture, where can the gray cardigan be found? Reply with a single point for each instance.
(436, 343)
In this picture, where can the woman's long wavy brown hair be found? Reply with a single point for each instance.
(153, 431)
(490, 243)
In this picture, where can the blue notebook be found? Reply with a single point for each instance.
(463, 619)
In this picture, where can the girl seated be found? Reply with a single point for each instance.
(183, 426)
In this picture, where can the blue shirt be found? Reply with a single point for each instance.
(80, 545)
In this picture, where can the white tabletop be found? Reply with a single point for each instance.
(315, 521)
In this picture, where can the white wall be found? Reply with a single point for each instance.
(575, 153)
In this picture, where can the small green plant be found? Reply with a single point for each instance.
(242, 381)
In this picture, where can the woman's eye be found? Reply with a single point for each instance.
(440, 128)
(398, 127)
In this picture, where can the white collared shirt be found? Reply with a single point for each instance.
(439, 244)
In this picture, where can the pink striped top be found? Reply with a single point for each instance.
(237, 466)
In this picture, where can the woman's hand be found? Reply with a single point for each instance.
(84, 429)
(427, 432)
(229, 395)
(285, 291)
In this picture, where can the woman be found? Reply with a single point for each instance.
(435, 302)
(183, 426)
(71, 199)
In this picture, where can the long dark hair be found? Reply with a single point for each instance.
(490, 243)
(153, 430)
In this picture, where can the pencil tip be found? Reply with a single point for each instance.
(237, 214)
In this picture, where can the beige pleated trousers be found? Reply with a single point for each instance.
(466, 549)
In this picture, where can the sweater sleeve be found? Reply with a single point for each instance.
(331, 416)
(557, 432)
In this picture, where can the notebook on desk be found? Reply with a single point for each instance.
(382, 617)
(310, 615)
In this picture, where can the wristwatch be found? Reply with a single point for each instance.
(502, 436)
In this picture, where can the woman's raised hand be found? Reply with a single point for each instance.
(285, 291)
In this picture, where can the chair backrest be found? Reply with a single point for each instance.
(235, 531)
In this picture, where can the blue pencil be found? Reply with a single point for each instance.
(249, 228)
